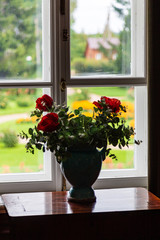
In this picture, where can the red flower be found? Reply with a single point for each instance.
(97, 104)
(49, 122)
(44, 103)
(113, 103)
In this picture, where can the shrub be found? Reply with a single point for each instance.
(24, 101)
(3, 102)
(10, 139)
(80, 94)
(82, 65)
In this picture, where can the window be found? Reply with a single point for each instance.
(116, 30)
(25, 74)
(105, 55)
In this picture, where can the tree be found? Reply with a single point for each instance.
(78, 40)
(73, 6)
(123, 61)
(18, 38)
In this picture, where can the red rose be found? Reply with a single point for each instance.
(113, 103)
(49, 122)
(97, 104)
(44, 103)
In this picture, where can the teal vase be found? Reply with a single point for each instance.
(81, 170)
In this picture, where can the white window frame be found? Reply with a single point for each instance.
(60, 69)
(138, 79)
(51, 178)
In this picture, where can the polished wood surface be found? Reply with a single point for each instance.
(117, 214)
(53, 203)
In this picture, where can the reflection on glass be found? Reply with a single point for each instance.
(20, 39)
(15, 108)
(83, 97)
(100, 37)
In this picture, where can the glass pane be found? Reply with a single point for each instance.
(15, 108)
(83, 97)
(100, 37)
(21, 42)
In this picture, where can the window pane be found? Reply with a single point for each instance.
(21, 39)
(83, 97)
(15, 108)
(100, 37)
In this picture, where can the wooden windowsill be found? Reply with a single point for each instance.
(125, 213)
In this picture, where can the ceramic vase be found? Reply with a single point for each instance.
(81, 170)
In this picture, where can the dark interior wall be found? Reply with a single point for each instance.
(154, 96)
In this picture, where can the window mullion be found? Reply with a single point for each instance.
(137, 38)
(63, 48)
(113, 81)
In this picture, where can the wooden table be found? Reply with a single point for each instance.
(125, 213)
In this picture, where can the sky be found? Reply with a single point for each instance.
(91, 16)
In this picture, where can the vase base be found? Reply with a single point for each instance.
(82, 195)
(86, 200)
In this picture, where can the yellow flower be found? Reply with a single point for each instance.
(88, 114)
(27, 119)
(20, 120)
(130, 110)
(85, 104)
(33, 119)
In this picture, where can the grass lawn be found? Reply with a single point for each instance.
(12, 108)
(109, 91)
(16, 160)
(125, 160)
(17, 127)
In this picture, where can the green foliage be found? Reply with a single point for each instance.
(3, 101)
(121, 7)
(9, 139)
(24, 101)
(78, 40)
(73, 6)
(18, 34)
(123, 61)
(80, 94)
(76, 130)
(78, 45)
(86, 66)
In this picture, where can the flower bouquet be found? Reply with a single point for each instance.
(67, 133)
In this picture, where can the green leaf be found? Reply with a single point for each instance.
(96, 109)
(108, 151)
(61, 114)
(94, 130)
(80, 109)
(76, 112)
(71, 115)
(120, 146)
(30, 131)
(38, 146)
(138, 142)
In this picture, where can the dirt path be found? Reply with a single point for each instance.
(7, 118)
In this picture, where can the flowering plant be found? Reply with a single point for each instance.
(60, 130)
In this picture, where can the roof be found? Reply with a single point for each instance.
(95, 43)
